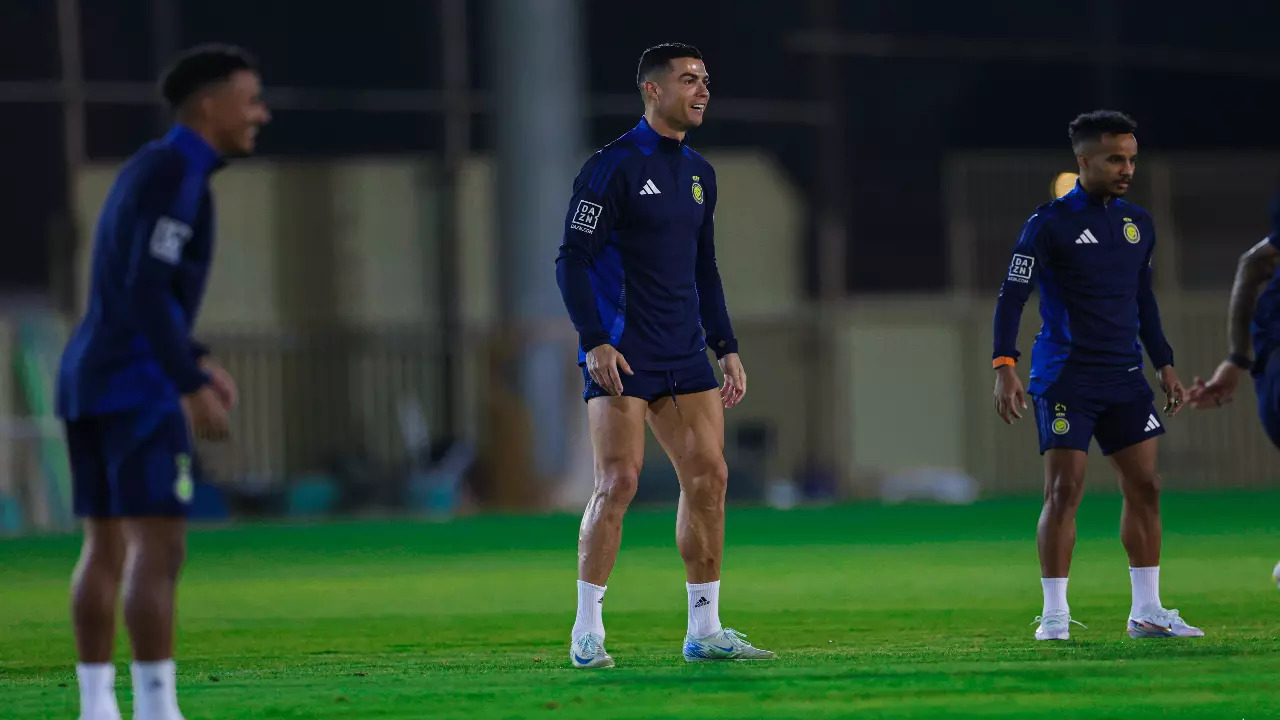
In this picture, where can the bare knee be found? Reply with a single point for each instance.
(1063, 492)
(1142, 487)
(708, 482)
(157, 549)
(616, 484)
(102, 553)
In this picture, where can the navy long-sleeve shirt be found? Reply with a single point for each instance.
(151, 254)
(1265, 327)
(1092, 262)
(637, 267)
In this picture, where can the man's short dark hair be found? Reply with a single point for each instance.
(1091, 126)
(659, 56)
(200, 67)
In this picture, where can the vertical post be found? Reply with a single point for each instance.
(1106, 30)
(457, 146)
(832, 214)
(538, 115)
(164, 44)
(1159, 176)
(962, 238)
(63, 262)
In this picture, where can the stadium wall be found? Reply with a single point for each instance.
(322, 304)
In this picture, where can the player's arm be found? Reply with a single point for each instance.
(1150, 329)
(593, 210)
(712, 307)
(161, 230)
(1255, 267)
(1151, 332)
(1014, 291)
(221, 381)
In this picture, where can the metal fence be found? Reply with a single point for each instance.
(1208, 209)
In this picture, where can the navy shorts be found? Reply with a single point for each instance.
(650, 385)
(1118, 412)
(131, 464)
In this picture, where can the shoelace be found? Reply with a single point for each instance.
(1168, 618)
(1058, 616)
(591, 646)
(738, 639)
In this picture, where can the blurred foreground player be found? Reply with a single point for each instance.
(134, 386)
(637, 270)
(1090, 253)
(1254, 319)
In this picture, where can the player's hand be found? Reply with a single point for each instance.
(1219, 391)
(222, 382)
(1009, 395)
(1174, 392)
(206, 414)
(603, 362)
(735, 380)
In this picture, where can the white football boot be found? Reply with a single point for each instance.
(1156, 622)
(1055, 626)
(728, 644)
(587, 651)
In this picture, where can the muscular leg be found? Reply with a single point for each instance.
(1140, 523)
(617, 439)
(157, 548)
(1063, 489)
(1140, 518)
(692, 434)
(95, 587)
(1141, 534)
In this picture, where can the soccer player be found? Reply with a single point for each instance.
(1253, 319)
(637, 269)
(133, 384)
(1090, 253)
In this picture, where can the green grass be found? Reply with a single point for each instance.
(885, 612)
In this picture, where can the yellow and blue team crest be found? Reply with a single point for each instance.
(1060, 426)
(1131, 233)
(184, 488)
(698, 196)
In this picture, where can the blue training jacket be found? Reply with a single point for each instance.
(637, 267)
(151, 254)
(1091, 259)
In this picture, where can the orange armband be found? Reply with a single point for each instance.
(1001, 362)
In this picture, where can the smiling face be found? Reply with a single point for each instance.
(678, 95)
(233, 111)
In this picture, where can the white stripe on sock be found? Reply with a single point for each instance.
(590, 617)
(704, 608)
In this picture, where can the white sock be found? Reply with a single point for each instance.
(704, 609)
(1055, 595)
(590, 610)
(1146, 588)
(155, 691)
(97, 691)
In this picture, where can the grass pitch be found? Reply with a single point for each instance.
(876, 612)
